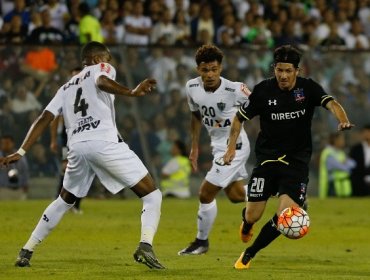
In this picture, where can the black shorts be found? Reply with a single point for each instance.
(277, 178)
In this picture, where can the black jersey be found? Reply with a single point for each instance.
(285, 118)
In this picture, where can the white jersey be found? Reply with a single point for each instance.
(218, 109)
(88, 112)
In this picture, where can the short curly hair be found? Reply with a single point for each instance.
(208, 53)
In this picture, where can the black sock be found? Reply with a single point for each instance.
(246, 226)
(77, 203)
(267, 234)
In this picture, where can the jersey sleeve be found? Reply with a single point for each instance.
(320, 97)
(56, 104)
(192, 105)
(104, 69)
(249, 109)
(242, 94)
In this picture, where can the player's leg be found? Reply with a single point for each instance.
(207, 213)
(237, 191)
(48, 221)
(151, 212)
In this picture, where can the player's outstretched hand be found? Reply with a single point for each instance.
(345, 126)
(144, 87)
(5, 161)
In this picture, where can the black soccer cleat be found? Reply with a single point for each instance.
(24, 258)
(197, 247)
(144, 254)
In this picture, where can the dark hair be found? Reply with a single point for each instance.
(92, 48)
(208, 53)
(181, 146)
(287, 54)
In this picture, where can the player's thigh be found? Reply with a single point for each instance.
(236, 191)
(293, 183)
(79, 174)
(117, 166)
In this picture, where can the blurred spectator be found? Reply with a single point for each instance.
(225, 33)
(176, 173)
(46, 33)
(58, 13)
(43, 165)
(89, 26)
(202, 25)
(21, 10)
(333, 40)
(137, 26)
(71, 27)
(356, 39)
(259, 34)
(364, 15)
(24, 101)
(335, 168)
(13, 178)
(39, 62)
(13, 32)
(360, 175)
(182, 28)
(112, 29)
(36, 21)
(164, 31)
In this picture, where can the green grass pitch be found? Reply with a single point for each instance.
(99, 244)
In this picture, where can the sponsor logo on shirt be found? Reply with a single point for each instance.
(287, 115)
(193, 85)
(230, 89)
(86, 124)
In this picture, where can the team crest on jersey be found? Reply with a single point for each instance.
(245, 89)
(299, 95)
(221, 106)
(104, 67)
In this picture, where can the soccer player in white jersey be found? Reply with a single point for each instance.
(213, 100)
(95, 148)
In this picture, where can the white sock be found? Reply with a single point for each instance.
(246, 192)
(150, 216)
(49, 219)
(206, 216)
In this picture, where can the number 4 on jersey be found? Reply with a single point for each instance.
(80, 105)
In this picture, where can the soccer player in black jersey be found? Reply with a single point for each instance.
(285, 105)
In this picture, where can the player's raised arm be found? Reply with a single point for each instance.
(35, 131)
(340, 114)
(108, 85)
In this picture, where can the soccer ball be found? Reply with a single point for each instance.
(293, 222)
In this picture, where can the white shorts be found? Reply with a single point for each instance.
(115, 165)
(223, 175)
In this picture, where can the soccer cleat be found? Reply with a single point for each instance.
(144, 254)
(244, 261)
(197, 247)
(24, 258)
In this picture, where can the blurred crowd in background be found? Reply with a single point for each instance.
(231, 23)
(41, 45)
